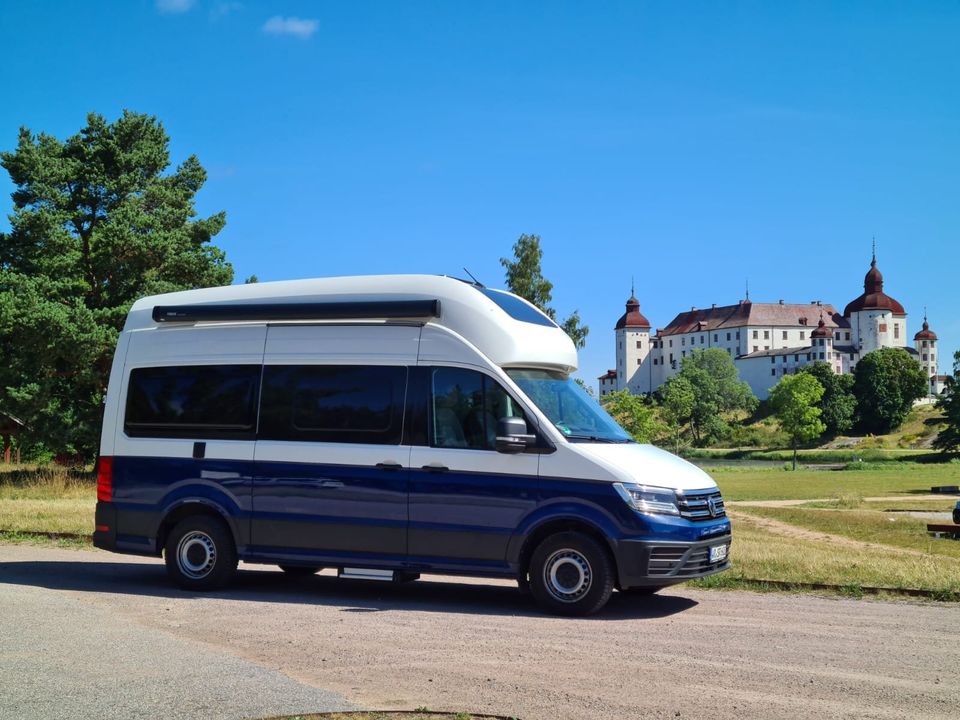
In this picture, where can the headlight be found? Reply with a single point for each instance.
(645, 499)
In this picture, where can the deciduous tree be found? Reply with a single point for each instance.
(838, 406)
(717, 392)
(633, 413)
(886, 382)
(795, 400)
(97, 222)
(524, 278)
(949, 437)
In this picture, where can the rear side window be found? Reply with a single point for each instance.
(196, 401)
(333, 403)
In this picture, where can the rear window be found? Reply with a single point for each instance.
(333, 403)
(202, 401)
(517, 308)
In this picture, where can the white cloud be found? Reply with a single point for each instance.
(295, 26)
(174, 6)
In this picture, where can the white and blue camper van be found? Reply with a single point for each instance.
(386, 426)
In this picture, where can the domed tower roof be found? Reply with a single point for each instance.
(821, 331)
(633, 318)
(926, 333)
(874, 298)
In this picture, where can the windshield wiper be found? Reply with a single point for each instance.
(597, 438)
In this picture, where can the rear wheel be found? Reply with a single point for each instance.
(571, 574)
(299, 570)
(199, 553)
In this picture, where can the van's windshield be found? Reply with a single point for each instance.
(567, 405)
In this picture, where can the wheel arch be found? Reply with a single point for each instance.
(555, 525)
(188, 508)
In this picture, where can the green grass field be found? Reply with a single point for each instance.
(878, 480)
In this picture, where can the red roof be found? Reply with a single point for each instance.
(608, 375)
(926, 333)
(874, 298)
(633, 318)
(821, 330)
(755, 314)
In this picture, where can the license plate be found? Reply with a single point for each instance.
(718, 553)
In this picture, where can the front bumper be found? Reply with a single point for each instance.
(652, 563)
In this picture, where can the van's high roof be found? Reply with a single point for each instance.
(507, 329)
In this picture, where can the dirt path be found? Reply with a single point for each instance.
(796, 532)
(453, 645)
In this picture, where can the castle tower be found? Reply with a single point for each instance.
(925, 343)
(821, 339)
(876, 319)
(633, 348)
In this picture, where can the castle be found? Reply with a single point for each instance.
(768, 340)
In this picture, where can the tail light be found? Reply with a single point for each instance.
(105, 479)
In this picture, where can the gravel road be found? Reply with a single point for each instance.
(87, 634)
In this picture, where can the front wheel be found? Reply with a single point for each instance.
(571, 574)
(200, 554)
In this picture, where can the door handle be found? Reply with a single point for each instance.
(389, 466)
(331, 484)
(435, 468)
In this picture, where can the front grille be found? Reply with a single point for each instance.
(674, 561)
(696, 506)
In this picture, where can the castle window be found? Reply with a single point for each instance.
(683, 353)
(883, 327)
(837, 335)
(796, 358)
(638, 361)
(639, 344)
(924, 343)
(924, 356)
(822, 356)
(754, 348)
(683, 341)
(755, 335)
(896, 331)
(766, 334)
(803, 334)
(728, 337)
(784, 334)
(847, 336)
(783, 358)
(715, 337)
(738, 334)
(773, 371)
(766, 347)
(671, 358)
(671, 343)
(773, 359)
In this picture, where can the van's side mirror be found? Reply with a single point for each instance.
(512, 436)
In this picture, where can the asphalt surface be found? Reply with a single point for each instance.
(87, 634)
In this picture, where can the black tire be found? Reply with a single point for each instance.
(571, 574)
(297, 571)
(643, 591)
(200, 554)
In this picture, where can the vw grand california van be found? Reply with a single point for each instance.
(386, 426)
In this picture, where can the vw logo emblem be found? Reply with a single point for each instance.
(712, 504)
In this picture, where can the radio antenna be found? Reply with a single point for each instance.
(475, 281)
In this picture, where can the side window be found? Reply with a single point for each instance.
(195, 401)
(466, 406)
(333, 403)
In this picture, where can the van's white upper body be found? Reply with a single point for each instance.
(471, 331)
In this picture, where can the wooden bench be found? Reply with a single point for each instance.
(944, 530)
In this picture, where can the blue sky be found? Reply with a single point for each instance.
(690, 146)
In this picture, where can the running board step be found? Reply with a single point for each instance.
(381, 575)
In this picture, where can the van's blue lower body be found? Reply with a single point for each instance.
(451, 522)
